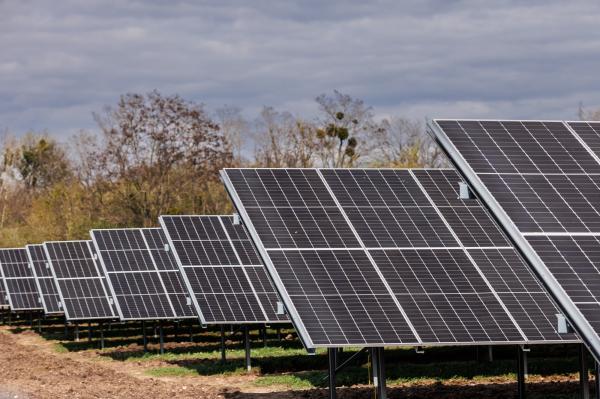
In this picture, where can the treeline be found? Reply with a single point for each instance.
(156, 154)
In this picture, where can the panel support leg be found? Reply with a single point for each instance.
(597, 379)
(9, 318)
(247, 347)
(584, 384)
(39, 323)
(191, 331)
(521, 367)
(161, 337)
(264, 336)
(176, 330)
(66, 332)
(31, 320)
(90, 331)
(278, 334)
(101, 335)
(378, 360)
(332, 363)
(223, 344)
(144, 336)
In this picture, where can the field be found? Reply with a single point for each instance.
(51, 365)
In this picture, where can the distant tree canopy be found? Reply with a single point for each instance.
(157, 154)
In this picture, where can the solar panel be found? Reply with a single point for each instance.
(541, 179)
(142, 274)
(377, 257)
(222, 269)
(80, 281)
(46, 285)
(19, 281)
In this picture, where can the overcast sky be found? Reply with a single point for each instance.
(61, 60)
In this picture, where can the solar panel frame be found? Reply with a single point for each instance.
(17, 296)
(283, 292)
(238, 264)
(575, 315)
(152, 269)
(99, 276)
(48, 290)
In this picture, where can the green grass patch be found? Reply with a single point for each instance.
(170, 371)
(293, 381)
(60, 348)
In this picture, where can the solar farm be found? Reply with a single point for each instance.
(349, 279)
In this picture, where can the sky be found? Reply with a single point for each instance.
(62, 60)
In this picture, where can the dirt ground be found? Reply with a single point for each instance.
(30, 367)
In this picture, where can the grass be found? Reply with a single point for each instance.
(171, 371)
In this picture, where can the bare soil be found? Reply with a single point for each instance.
(30, 367)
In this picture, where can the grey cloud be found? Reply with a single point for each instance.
(62, 60)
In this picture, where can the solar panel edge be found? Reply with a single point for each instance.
(471, 260)
(37, 283)
(116, 302)
(174, 314)
(186, 281)
(62, 297)
(54, 276)
(581, 325)
(289, 306)
(237, 255)
(9, 295)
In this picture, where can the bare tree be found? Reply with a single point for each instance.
(159, 151)
(283, 140)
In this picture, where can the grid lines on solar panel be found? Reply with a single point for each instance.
(80, 281)
(19, 280)
(544, 177)
(385, 189)
(589, 132)
(217, 270)
(44, 279)
(141, 288)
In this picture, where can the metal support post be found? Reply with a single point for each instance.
(223, 344)
(191, 331)
(584, 383)
(521, 367)
(490, 353)
(76, 332)
(378, 360)
(39, 324)
(101, 335)
(31, 320)
(176, 330)
(161, 337)
(247, 346)
(264, 336)
(278, 334)
(597, 379)
(332, 362)
(144, 336)
(90, 331)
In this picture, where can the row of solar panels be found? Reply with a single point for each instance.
(197, 266)
(375, 257)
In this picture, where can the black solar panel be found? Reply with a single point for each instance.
(43, 277)
(80, 281)
(222, 270)
(19, 281)
(396, 259)
(542, 180)
(142, 274)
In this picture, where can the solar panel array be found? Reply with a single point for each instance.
(142, 274)
(19, 281)
(81, 283)
(542, 180)
(48, 292)
(222, 269)
(389, 257)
